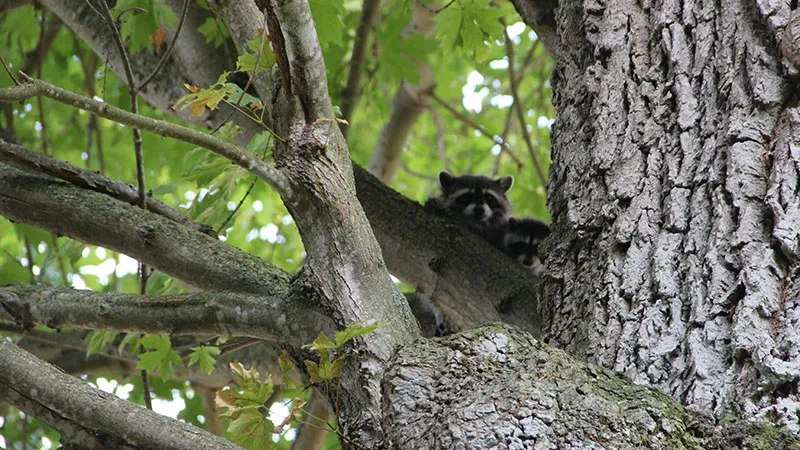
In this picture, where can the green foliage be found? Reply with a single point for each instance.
(215, 31)
(97, 340)
(205, 356)
(161, 359)
(141, 21)
(328, 20)
(471, 26)
(260, 52)
(327, 369)
(245, 409)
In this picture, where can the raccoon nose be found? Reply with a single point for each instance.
(477, 213)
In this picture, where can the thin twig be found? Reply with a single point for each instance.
(8, 71)
(166, 54)
(29, 257)
(40, 51)
(512, 76)
(239, 205)
(148, 402)
(137, 148)
(503, 146)
(416, 174)
(506, 131)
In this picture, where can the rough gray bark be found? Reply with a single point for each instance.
(198, 314)
(673, 192)
(496, 387)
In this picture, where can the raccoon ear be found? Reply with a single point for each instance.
(446, 180)
(506, 182)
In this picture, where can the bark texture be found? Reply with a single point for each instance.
(674, 200)
(87, 417)
(496, 387)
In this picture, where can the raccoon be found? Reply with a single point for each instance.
(521, 239)
(476, 201)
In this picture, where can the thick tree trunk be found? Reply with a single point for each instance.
(674, 201)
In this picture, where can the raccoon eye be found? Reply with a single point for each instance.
(492, 201)
(463, 199)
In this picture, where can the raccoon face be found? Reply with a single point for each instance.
(521, 242)
(475, 198)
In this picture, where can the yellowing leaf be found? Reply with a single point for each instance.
(157, 39)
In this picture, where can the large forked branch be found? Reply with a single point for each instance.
(205, 313)
(87, 417)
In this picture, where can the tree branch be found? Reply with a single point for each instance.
(237, 155)
(501, 141)
(205, 313)
(87, 417)
(466, 275)
(23, 158)
(517, 105)
(97, 219)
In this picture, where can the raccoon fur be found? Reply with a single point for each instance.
(521, 239)
(478, 202)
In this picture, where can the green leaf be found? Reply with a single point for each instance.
(97, 340)
(487, 19)
(322, 342)
(252, 431)
(242, 98)
(287, 366)
(337, 366)
(12, 272)
(313, 371)
(327, 16)
(161, 359)
(205, 356)
(133, 341)
(259, 145)
(353, 331)
(449, 29)
(136, 26)
(215, 31)
(247, 61)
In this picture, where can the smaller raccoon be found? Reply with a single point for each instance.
(521, 242)
(476, 201)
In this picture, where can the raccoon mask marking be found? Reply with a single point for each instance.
(477, 201)
(521, 242)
